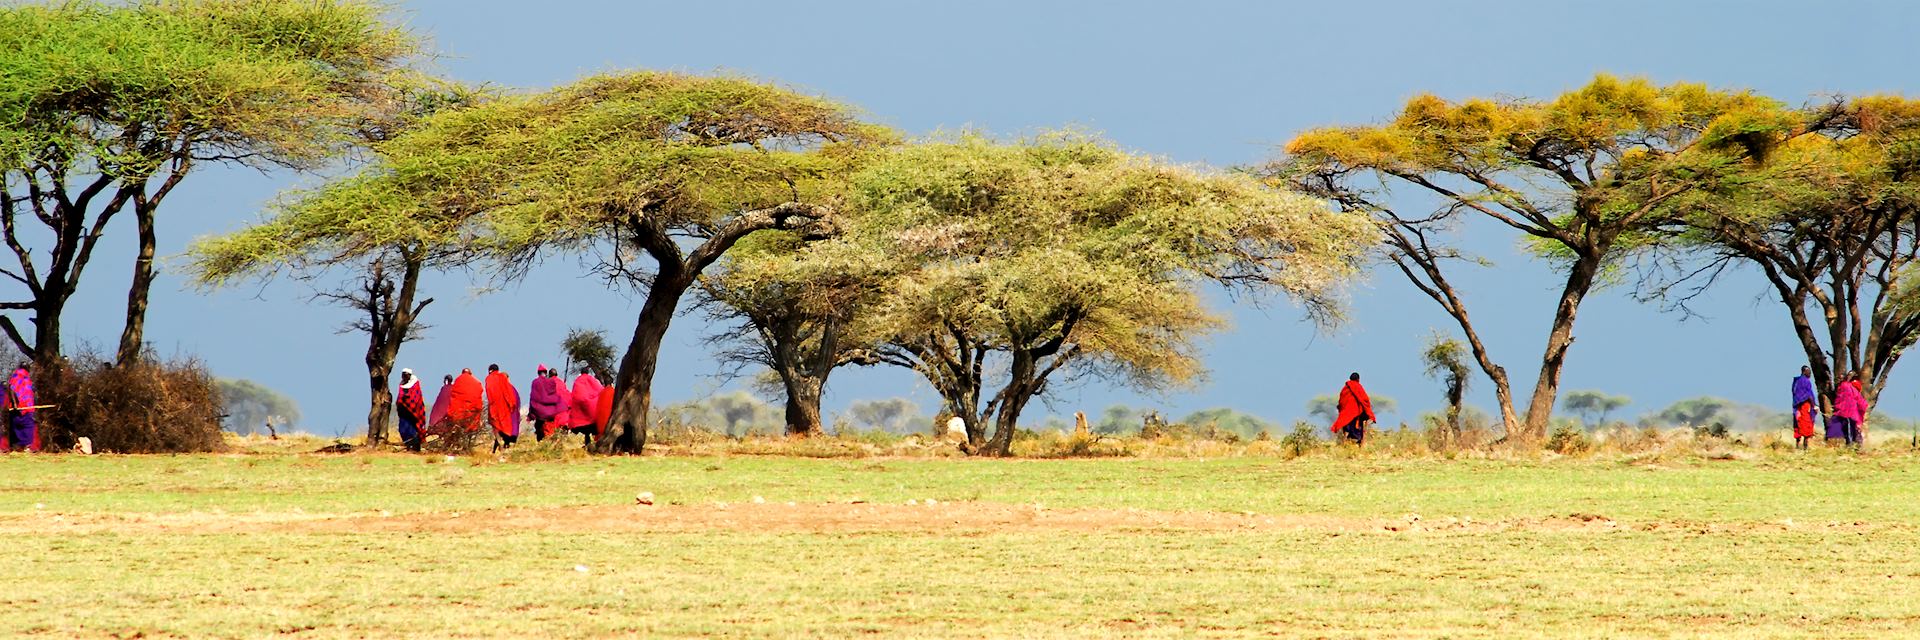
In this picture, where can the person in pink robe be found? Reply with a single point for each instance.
(22, 428)
(586, 396)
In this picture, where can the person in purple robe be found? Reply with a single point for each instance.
(544, 403)
(22, 431)
(1806, 408)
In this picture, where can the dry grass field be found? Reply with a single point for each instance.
(267, 543)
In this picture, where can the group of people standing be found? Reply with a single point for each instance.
(1849, 410)
(464, 404)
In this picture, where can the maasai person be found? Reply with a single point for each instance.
(1850, 405)
(22, 432)
(413, 410)
(543, 403)
(1806, 410)
(586, 395)
(503, 407)
(602, 413)
(1356, 410)
(442, 399)
(466, 411)
(563, 414)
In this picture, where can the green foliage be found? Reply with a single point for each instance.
(1707, 411)
(734, 414)
(117, 88)
(1594, 406)
(613, 155)
(249, 405)
(1118, 419)
(890, 415)
(1568, 439)
(1446, 361)
(354, 219)
(1062, 253)
(1244, 425)
(1303, 439)
(589, 348)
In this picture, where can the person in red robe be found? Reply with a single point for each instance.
(563, 414)
(1356, 410)
(466, 403)
(503, 407)
(603, 412)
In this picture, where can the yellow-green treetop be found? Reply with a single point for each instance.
(1582, 176)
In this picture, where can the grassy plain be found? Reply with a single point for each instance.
(387, 545)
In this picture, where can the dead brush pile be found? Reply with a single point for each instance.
(154, 406)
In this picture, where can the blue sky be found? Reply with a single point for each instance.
(1221, 83)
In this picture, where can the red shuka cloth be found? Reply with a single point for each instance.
(1353, 404)
(465, 404)
(603, 411)
(412, 404)
(503, 404)
(564, 416)
(1803, 420)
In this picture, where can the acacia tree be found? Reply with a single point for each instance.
(383, 239)
(1594, 406)
(1832, 220)
(385, 230)
(1581, 178)
(658, 174)
(791, 306)
(1061, 256)
(108, 107)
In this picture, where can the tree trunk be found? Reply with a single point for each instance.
(1456, 397)
(633, 385)
(389, 327)
(46, 326)
(1021, 386)
(803, 403)
(133, 338)
(380, 410)
(1547, 388)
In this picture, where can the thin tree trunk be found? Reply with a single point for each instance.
(1456, 396)
(380, 409)
(390, 326)
(1547, 388)
(133, 338)
(633, 385)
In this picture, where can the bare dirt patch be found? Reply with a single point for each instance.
(761, 517)
(961, 517)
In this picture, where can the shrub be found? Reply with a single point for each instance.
(1717, 430)
(1303, 439)
(1569, 439)
(154, 406)
(1403, 441)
